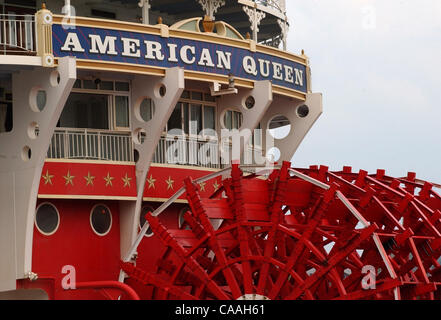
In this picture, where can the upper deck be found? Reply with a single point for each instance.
(122, 47)
(210, 55)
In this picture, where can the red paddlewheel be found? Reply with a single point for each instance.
(302, 234)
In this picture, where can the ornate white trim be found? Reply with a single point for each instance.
(284, 27)
(255, 18)
(145, 6)
(211, 6)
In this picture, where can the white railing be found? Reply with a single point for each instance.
(117, 146)
(273, 42)
(188, 151)
(91, 144)
(17, 34)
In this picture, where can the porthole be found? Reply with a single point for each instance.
(41, 99)
(26, 153)
(162, 90)
(142, 220)
(231, 119)
(303, 111)
(47, 218)
(37, 99)
(145, 111)
(101, 219)
(250, 102)
(138, 136)
(273, 154)
(33, 130)
(279, 127)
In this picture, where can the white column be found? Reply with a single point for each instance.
(255, 16)
(263, 97)
(148, 86)
(284, 27)
(67, 6)
(145, 6)
(22, 156)
(300, 124)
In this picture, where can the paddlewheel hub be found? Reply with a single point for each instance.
(302, 234)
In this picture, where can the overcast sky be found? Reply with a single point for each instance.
(378, 65)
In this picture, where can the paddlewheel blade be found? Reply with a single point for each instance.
(302, 234)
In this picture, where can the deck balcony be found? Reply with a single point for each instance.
(87, 144)
(17, 35)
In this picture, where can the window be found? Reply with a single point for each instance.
(186, 117)
(185, 95)
(47, 218)
(209, 118)
(196, 95)
(122, 112)
(142, 220)
(228, 120)
(84, 110)
(175, 120)
(257, 137)
(209, 97)
(77, 83)
(147, 109)
(195, 119)
(193, 116)
(232, 120)
(101, 220)
(100, 105)
(122, 86)
(90, 84)
(3, 116)
(106, 85)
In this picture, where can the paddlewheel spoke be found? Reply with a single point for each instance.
(302, 234)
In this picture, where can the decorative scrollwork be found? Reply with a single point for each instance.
(284, 27)
(255, 17)
(211, 6)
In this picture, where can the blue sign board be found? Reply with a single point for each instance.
(153, 50)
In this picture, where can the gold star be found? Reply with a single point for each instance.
(202, 186)
(89, 179)
(216, 186)
(69, 178)
(151, 182)
(170, 183)
(48, 178)
(126, 181)
(108, 180)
